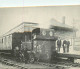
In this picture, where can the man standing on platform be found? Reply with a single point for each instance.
(64, 46)
(68, 44)
(59, 44)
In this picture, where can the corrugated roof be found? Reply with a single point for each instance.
(23, 23)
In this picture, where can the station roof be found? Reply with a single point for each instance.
(29, 24)
(61, 26)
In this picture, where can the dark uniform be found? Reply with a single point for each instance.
(58, 45)
(64, 45)
(16, 53)
(24, 53)
(68, 43)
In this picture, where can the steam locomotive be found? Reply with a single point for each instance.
(38, 45)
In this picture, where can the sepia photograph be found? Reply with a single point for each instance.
(39, 34)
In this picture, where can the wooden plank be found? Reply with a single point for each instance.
(68, 55)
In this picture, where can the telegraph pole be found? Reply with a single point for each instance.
(73, 33)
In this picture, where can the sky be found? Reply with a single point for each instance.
(7, 24)
(14, 3)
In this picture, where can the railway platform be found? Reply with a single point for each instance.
(73, 55)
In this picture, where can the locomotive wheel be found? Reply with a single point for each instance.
(31, 58)
(71, 59)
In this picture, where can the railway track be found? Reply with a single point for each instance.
(61, 64)
(11, 63)
(19, 65)
(38, 65)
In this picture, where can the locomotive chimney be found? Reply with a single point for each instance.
(63, 20)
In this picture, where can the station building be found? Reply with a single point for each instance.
(64, 31)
